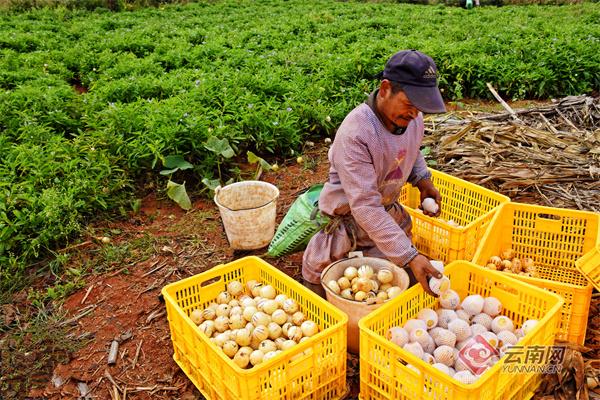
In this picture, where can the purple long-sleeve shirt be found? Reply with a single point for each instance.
(369, 166)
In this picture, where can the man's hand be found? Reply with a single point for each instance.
(427, 189)
(422, 269)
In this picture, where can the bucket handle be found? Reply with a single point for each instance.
(218, 189)
(354, 254)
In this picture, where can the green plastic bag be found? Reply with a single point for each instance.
(301, 222)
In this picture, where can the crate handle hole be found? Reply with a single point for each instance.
(549, 216)
(211, 281)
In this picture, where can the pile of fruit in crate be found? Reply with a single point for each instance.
(364, 285)
(509, 263)
(252, 323)
(437, 336)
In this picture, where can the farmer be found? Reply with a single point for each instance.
(375, 151)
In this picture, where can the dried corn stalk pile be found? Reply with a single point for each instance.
(548, 155)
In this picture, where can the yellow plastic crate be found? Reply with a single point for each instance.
(469, 205)
(314, 369)
(383, 371)
(554, 238)
(589, 266)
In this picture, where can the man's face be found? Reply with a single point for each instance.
(396, 108)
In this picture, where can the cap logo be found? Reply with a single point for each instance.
(429, 73)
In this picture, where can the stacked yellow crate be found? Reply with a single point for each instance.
(554, 239)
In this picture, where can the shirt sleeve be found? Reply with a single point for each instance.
(354, 165)
(419, 171)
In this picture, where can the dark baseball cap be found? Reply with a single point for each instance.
(417, 75)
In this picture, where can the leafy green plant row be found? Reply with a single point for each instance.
(114, 5)
(92, 103)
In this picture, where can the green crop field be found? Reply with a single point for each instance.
(92, 102)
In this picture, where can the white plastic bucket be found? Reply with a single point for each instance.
(248, 211)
